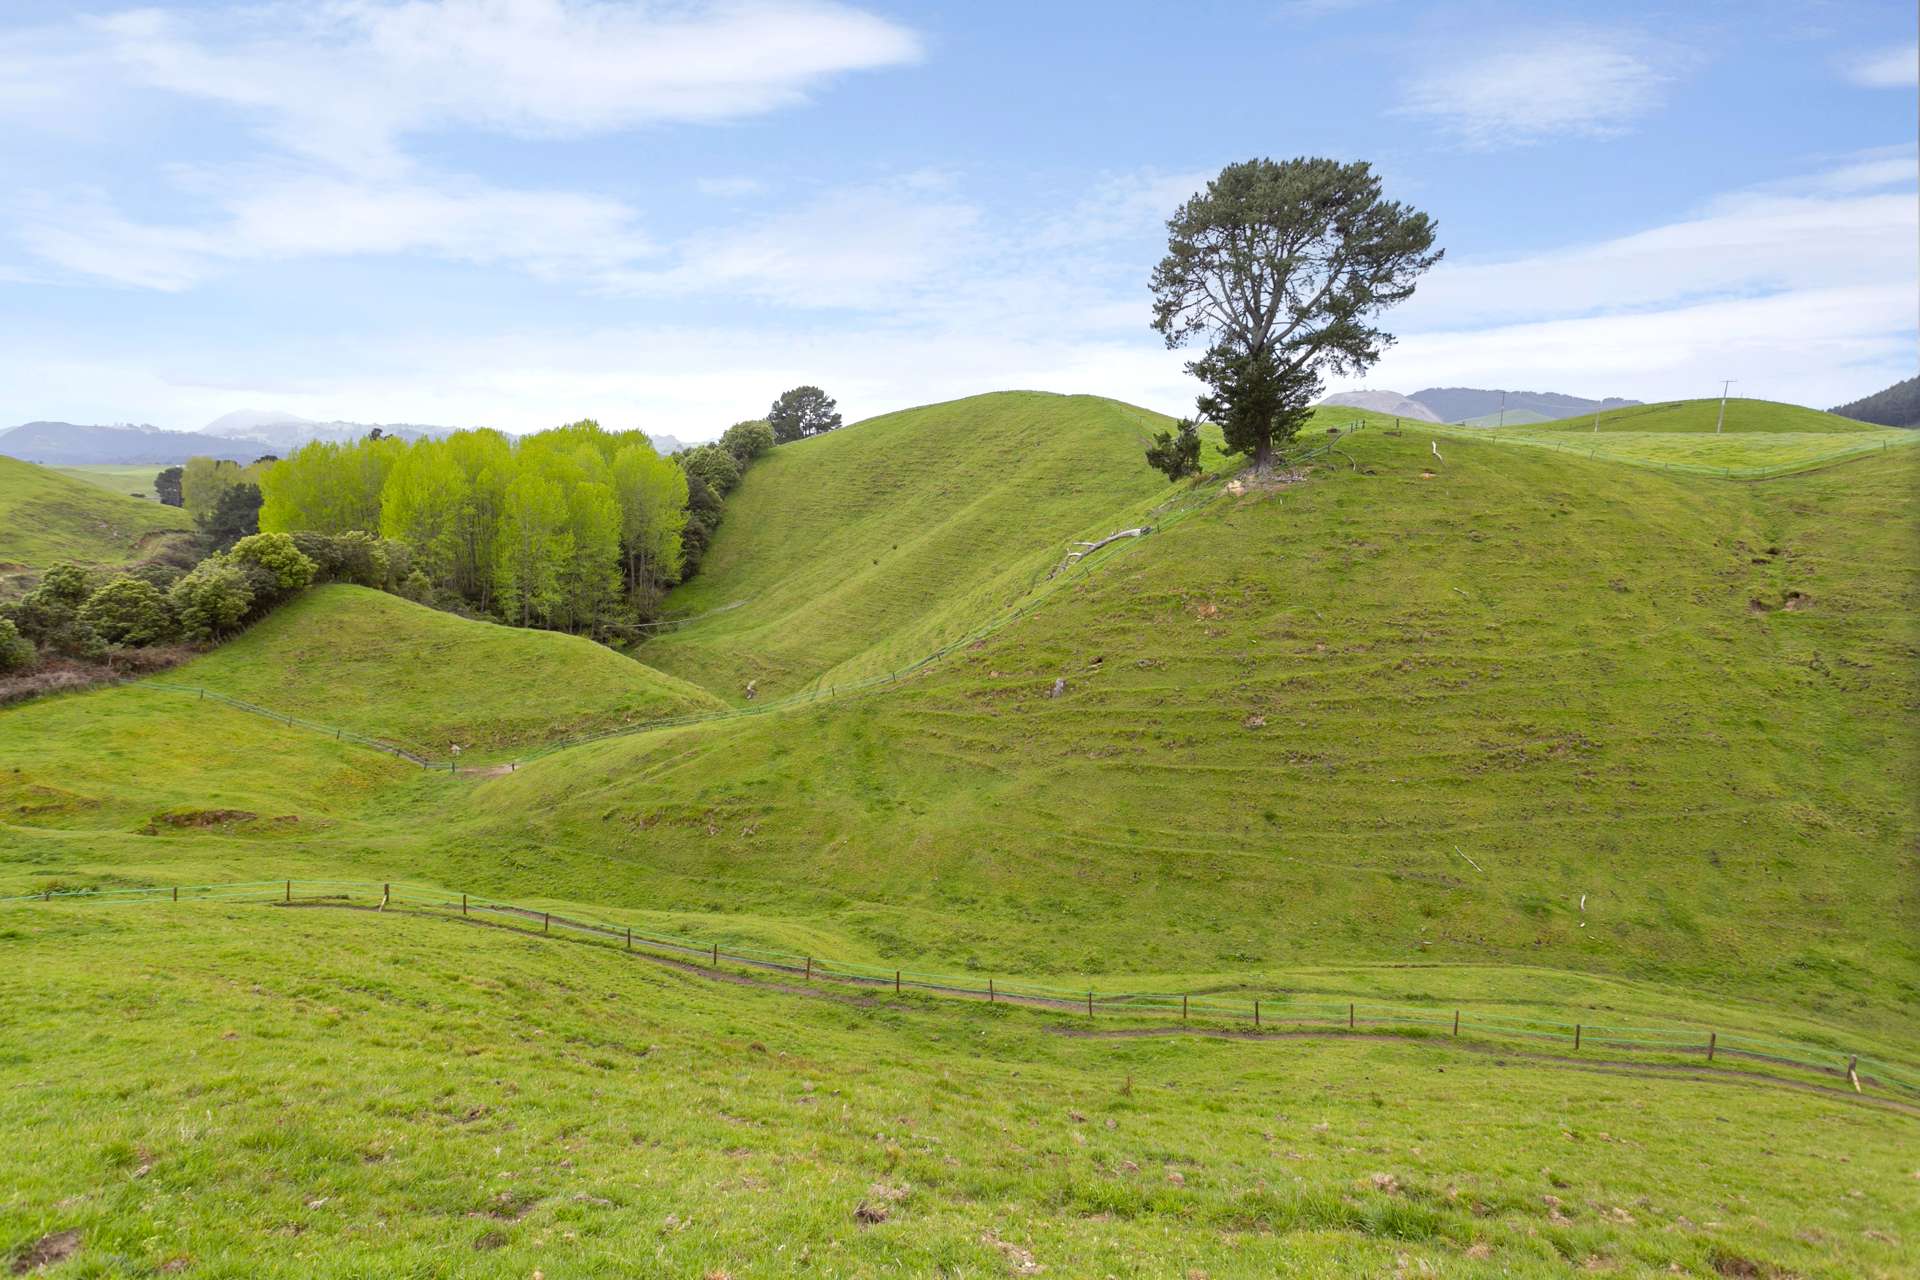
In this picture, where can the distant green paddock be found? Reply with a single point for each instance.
(133, 481)
(1735, 455)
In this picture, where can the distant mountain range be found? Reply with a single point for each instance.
(1476, 406)
(1384, 402)
(241, 436)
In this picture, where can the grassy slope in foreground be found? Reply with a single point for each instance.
(46, 518)
(422, 679)
(246, 1091)
(1530, 710)
(867, 548)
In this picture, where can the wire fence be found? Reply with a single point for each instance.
(1209, 1009)
(1595, 451)
(1041, 588)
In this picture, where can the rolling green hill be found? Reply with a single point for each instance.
(1742, 417)
(128, 480)
(869, 547)
(424, 680)
(1382, 715)
(47, 518)
(1514, 730)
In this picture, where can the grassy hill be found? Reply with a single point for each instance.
(1517, 731)
(869, 547)
(1761, 440)
(1742, 417)
(46, 518)
(422, 679)
(128, 480)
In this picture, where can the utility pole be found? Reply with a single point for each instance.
(1721, 421)
(1503, 412)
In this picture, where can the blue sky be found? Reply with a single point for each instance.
(520, 212)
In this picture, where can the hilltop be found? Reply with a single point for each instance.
(46, 518)
(868, 547)
(1743, 416)
(421, 679)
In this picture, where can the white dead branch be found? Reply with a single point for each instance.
(1088, 548)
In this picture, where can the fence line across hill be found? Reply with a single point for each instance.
(1044, 583)
(1290, 1010)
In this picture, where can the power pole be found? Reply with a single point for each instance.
(1503, 412)
(1722, 420)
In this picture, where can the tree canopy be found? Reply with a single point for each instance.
(575, 528)
(1281, 267)
(803, 411)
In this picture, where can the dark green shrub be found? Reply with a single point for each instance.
(16, 651)
(129, 611)
(212, 600)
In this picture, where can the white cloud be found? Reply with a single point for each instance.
(548, 233)
(1579, 81)
(872, 246)
(1804, 291)
(733, 188)
(1896, 68)
(1813, 346)
(346, 80)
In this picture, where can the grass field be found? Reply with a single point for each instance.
(1761, 440)
(47, 518)
(421, 1098)
(131, 481)
(866, 548)
(1518, 731)
(1743, 417)
(425, 680)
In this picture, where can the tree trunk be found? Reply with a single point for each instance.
(1263, 457)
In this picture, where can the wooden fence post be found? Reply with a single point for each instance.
(809, 969)
(1576, 1037)
(1713, 1040)
(1349, 1015)
(1183, 1008)
(1089, 1004)
(1256, 1015)
(289, 891)
(716, 955)
(989, 990)
(1853, 1075)
(896, 982)
(176, 893)
(1456, 1022)
(386, 895)
(463, 904)
(546, 922)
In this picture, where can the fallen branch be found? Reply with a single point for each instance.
(1091, 547)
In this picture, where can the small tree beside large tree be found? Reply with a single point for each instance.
(1281, 267)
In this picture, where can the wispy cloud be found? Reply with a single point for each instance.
(1895, 68)
(549, 233)
(345, 81)
(1579, 81)
(868, 246)
(1787, 287)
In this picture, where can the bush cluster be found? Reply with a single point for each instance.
(72, 613)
